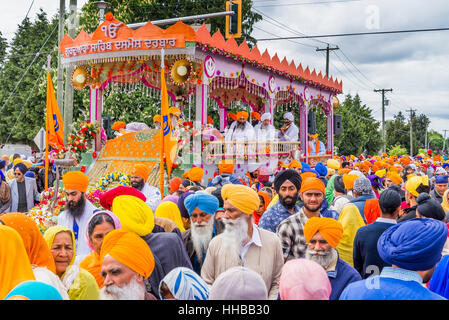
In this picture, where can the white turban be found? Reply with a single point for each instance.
(289, 116)
(265, 116)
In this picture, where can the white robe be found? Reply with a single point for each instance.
(291, 135)
(266, 133)
(66, 219)
(247, 134)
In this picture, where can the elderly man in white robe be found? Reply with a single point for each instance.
(265, 132)
(289, 132)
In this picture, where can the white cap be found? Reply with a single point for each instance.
(265, 116)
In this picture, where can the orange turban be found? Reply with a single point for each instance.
(348, 180)
(210, 120)
(295, 164)
(312, 184)
(343, 171)
(233, 116)
(226, 166)
(118, 125)
(266, 198)
(140, 170)
(174, 183)
(129, 249)
(394, 176)
(306, 175)
(329, 228)
(242, 114)
(255, 115)
(405, 160)
(242, 197)
(175, 111)
(157, 118)
(194, 174)
(75, 180)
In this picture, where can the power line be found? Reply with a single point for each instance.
(305, 3)
(300, 43)
(357, 34)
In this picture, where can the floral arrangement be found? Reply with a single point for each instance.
(80, 141)
(120, 176)
(41, 214)
(93, 195)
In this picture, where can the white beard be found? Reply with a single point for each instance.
(235, 233)
(201, 236)
(325, 259)
(132, 291)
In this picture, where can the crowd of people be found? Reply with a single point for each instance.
(353, 228)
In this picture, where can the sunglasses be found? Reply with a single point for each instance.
(17, 174)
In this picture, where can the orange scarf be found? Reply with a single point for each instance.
(317, 147)
(92, 264)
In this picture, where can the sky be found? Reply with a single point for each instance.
(414, 65)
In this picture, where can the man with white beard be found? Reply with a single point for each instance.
(242, 243)
(265, 132)
(126, 260)
(322, 236)
(201, 208)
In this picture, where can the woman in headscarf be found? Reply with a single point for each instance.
(39, 254)
(169, 210)
(264, 201)
(34, 290)
(14, 262)
(81, 285)
(183, 284)
(99, 225)
(304, 279)
(445, 203)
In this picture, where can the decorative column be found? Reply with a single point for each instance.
(223, 114)
(201, 97)
(269, 107)
(330, 131)
(96, 113)
(303, 128)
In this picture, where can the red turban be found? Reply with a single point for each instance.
(107, 198)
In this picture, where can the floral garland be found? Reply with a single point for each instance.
(41, 214)
(120, 176)
(80, 141)
(93, 195)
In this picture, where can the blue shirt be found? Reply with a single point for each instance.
(271, 218)
(341, 277)
(391, 284)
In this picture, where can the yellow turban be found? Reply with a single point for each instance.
(381, 173)
(16, 161)
(226, 166)
(157, 118)
(333, 164)
(170, 210)
(394, 176)
(414, 182)
(348, 180)
(27, 163)
(295, 164)
(141, 171)
(329, 228)
(175, 111)
(75, 180)
(134, 214)
(129, 249)
(241, 114)
(242, 197)
(194, 174)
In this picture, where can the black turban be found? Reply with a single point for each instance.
(429, 208)
(181, 206)
(2, 164)
(339, 186)
(22, 167)
(290, 175)
(389, 201)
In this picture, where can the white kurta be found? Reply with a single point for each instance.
(153, 196)
(291, 135)
(66, 219)
(266, 133)
(240, 135)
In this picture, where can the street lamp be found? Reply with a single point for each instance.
(102, 5)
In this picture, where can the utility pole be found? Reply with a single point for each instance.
(444, 141)
(327, 49)
(411, 130)
(60, 79)
(68, 99)
(383, 115)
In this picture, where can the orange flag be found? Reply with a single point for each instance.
(55, 131)
(169, 143)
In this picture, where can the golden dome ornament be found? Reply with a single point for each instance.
(180, 71)
(80, 78)
(335, 102)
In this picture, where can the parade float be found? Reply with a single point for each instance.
(206, 75)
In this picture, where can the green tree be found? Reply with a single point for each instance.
(133, 11)
(23, 109)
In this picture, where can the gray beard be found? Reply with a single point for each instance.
(235, 233)
(323, 260)
(132, 291)
(240, 126)
(201, 237)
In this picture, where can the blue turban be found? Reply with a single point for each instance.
(438, 283)
(30, 174)
(414, 245)
(22, 167)
(321, 169)
(2, 164)
(35, 290)
(203, 201)
(442, 179)
(304, 166)
(310, 170)
(445, 165)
